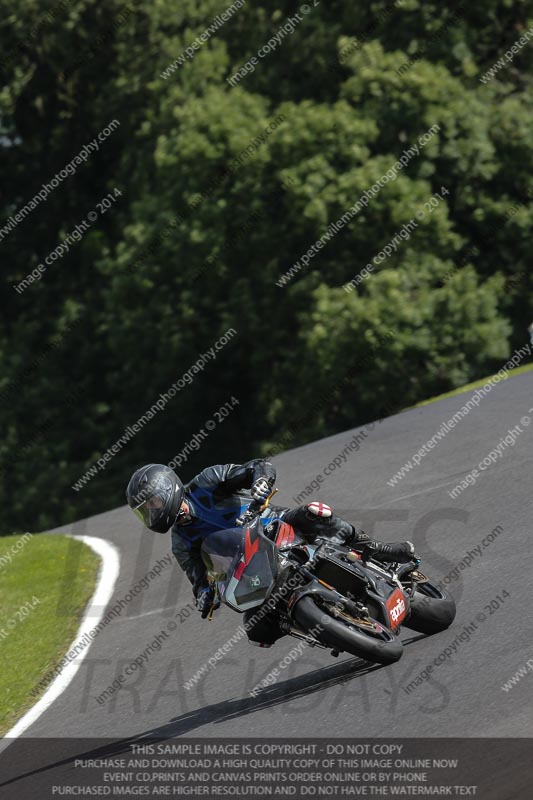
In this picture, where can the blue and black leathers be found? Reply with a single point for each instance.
(216, 497)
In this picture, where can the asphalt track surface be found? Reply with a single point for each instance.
(318, 695)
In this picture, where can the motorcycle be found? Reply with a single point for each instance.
(325, 593)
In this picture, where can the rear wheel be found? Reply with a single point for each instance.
(364, 638)
(432, 609)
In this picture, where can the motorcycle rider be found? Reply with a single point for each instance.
(213, 500)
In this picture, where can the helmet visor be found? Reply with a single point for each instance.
(150, 509)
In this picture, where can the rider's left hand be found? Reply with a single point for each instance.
(204, 601)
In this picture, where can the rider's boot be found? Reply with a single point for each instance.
(382, 551)
(400, 552)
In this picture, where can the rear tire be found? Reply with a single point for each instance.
(380, 648)
(432, 610)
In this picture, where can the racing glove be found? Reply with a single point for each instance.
(204, 601)
(260, 490)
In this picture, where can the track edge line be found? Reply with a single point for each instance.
(107, 578)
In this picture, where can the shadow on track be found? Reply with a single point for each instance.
(30, 750)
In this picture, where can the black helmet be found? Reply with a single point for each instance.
(155, 494)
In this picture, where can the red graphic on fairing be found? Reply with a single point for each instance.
(285, 535)
(250, 549)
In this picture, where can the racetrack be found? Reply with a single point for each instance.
(316, 694)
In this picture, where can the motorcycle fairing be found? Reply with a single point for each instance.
(244, 564)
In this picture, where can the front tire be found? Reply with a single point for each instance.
(379, 646)
(432, 610)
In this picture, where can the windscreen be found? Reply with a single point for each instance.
(244, 560)
(220, 550)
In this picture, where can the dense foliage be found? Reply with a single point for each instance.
(221, 190)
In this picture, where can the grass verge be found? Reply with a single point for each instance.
(470, 386)
(45, 585)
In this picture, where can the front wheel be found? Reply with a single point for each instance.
(432, 609)
(333, 628)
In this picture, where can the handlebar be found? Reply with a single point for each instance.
(254, 510)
